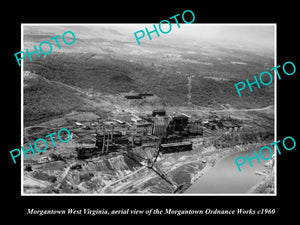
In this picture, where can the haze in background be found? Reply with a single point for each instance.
(248, 36)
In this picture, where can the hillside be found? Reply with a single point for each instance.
(110, 63)
(43, 100)
(114, 76)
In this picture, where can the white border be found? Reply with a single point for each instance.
(174, 195)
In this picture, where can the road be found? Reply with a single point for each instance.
(231, 110)
(245, 110)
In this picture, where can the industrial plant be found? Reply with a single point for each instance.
(142, 140)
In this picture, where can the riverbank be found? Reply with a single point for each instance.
(266, 185)
(212, 156)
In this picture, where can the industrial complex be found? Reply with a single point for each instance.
(140, 139)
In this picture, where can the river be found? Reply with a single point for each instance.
(225, 178)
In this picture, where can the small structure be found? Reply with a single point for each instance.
(231, 126)
(176, 147)
(159, 112)
(133, 96)
(44, 159)
(146, 94)
(79, 124)
(119, 121)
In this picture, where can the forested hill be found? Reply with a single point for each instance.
(114, 76)
(118, 65)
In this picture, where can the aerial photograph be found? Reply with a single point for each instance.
(159, 116)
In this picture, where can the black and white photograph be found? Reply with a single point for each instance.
(149, 112)
(139, 109)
